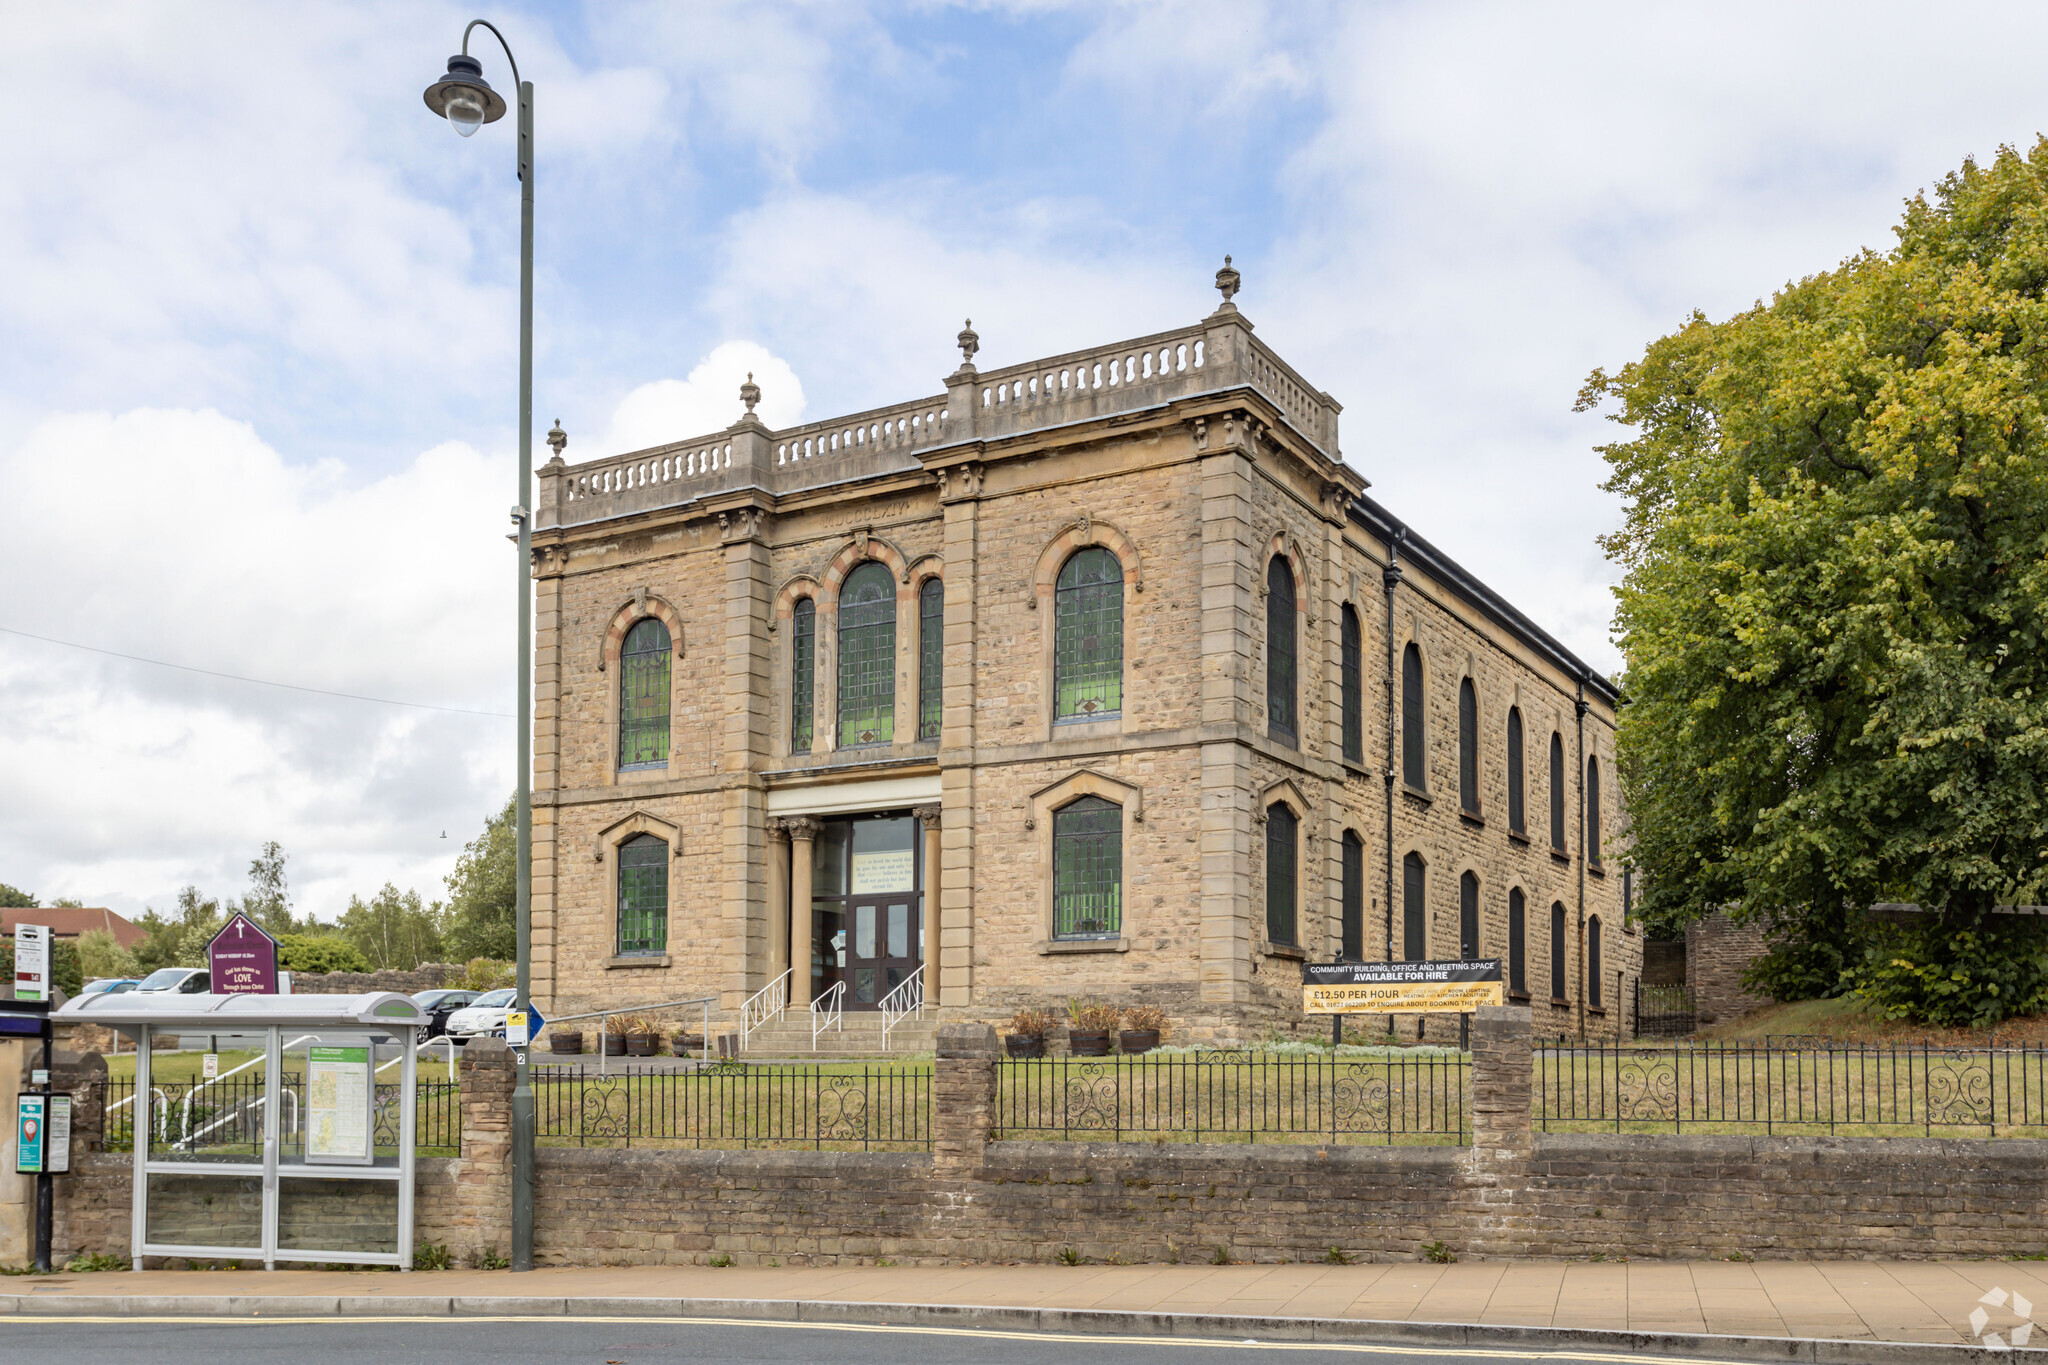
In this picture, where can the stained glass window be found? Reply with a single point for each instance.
(1414, 771)
(931, 654)
(1354, 898)
(1414, 910)
(803, 674)
(1088, 869)
(1557, 950)
(1468, 917)
(1088, 636)
(1281, 837)
(1518, 943)
(643, 696)
(1282, 722)
(643, 895)
(1557, 791)
(867, 657)
(1354, 690)
(1517, 814)
(1468, 746)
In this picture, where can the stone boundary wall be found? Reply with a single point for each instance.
(1717, 952)
(428, 976)
(1511, 1193)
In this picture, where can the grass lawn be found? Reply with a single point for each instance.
(1855, 1022)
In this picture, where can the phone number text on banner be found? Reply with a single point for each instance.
(1400, 987)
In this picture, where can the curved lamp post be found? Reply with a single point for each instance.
(467, 101)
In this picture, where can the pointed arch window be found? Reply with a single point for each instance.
(1088, 636)
(1354, 688)
(1282, 721)
(643, 896)
(1353, 910)
(1517, 806)
(1593, 997)
(931, 657)
(643, 696)
(1468, 747)
(1414, 909)
(1282, 837)
(1557, 979)
(867, 657)
(803, 674)
(1468, 917)
(1518, 944)
(1414, 771)
(1088, 869)
(1593, 813)
(1556, 792)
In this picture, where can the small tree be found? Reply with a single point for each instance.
(394, 929)
(100, 956)
(482, 892)
(319, 953)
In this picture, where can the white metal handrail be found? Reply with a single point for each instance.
(763, 1007)
(191, 1140)
(185, 1120)
(443, 1038)
(906, 1000)
(604, 1016)
(826, 1013)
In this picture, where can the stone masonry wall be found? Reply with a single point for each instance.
(1717, 952)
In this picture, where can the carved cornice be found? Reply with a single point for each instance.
(960, 482)
(741, 524)
(928, 816)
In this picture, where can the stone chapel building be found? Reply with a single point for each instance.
(1093, 676)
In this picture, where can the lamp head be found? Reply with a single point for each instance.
(464, 97)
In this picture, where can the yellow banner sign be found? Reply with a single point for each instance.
(1400, 987)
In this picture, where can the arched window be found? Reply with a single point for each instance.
(1593, 1000)
(1282, 722)
(1468, 917)
(931, 656)
(643, 896)
(1557, 792)
(643, 696)
(803, 674)
(867, 657)
(1468, 747)
(1354, 898)
(1088, 869)
(1593, 812)
(1281, 837)
(1088, 636)
(1557, 950)
(1518, 944)
(1413, 770)
(1517, 812)
(1414, 910)
(1354, 689)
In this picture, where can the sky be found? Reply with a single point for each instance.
(258, 346)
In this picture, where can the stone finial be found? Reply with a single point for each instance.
(750, 393)
(1227, 281)
(558, 439)
(970, 342)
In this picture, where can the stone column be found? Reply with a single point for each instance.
(960, 488)
(1228, 587)
(928, 819)
(1497, 1164)
(747, 705)
(963, 1098)
(778, 898)
(803, 833)
(483, 1176)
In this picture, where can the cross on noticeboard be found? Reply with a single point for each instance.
(242, 959)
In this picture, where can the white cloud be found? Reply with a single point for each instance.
(668, 410)
(181, 536)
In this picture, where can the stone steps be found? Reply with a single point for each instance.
(860, 1035)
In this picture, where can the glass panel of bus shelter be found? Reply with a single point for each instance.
(223, 1211)
(338, 1217)
(343, 1093)
(196, 1118)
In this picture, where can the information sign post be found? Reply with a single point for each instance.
(242, 959)
(31, 962)
(33, 994)
(1460, 987)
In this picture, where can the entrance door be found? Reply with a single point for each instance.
(868, 931)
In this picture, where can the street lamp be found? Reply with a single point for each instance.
(466, 100)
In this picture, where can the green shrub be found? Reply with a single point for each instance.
(319, 953)
(1930, 972)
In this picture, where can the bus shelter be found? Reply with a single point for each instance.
(295, 1142)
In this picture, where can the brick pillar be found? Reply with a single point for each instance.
(1497, 1165)
(483, 1174)
(963, 1098)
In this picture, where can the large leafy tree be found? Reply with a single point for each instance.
(482, 893)
(1836, 581)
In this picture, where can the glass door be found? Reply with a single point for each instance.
(866, 879)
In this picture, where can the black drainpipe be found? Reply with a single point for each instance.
(1583, 853)
(1390, 579)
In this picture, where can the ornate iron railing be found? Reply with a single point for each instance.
(1742, 1088)
(1423, 1099)
(738, 1104)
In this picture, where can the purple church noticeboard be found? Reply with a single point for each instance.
(243, 959)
